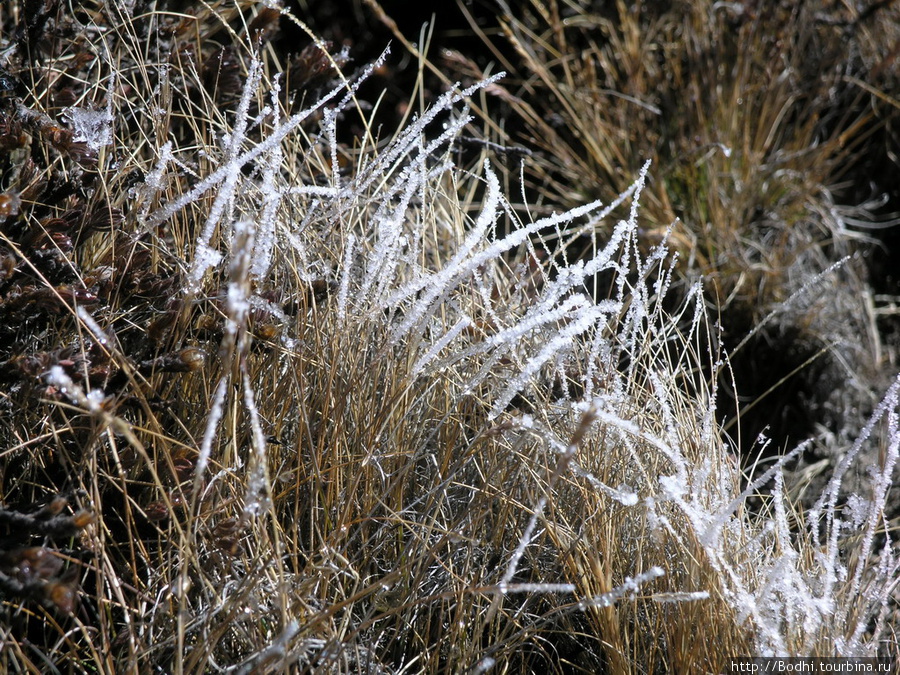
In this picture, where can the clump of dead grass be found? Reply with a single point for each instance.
(328, 417)
(764, 124)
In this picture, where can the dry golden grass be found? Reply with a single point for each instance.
(770, 128)
(291, 459)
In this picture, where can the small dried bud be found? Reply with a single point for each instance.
(266, 331)
(160, 327)
(9, 204)
(7, 266)
(229, 545)
(35, 562)
(52, 508)
(227, 536)
(179, 499)
(192, 358)
(156, 511)
(184, 469)
(82, 519)
(187, 360)
(62, 595)
(208, 324)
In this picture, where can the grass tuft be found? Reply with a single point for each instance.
(319, 405)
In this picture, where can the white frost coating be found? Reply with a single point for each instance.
(387, 220)
(540, 318)
(623, 494)
(314, 191)
(406, 140)
(266, 228)
(92, 325)
(536, 588)
(205, 259)
(344, 287)
(563, 339)
(628, 587)
(153, 180)
(436, 348)
(257, 302)
(484, 665)
(211, 430)
(524, 541)
(224, 200)
(454, 275)
(673, 487)
(231, 170)
(92, 401)
(95, 398)
(680, 596)
(92, 127)
(257, 498)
